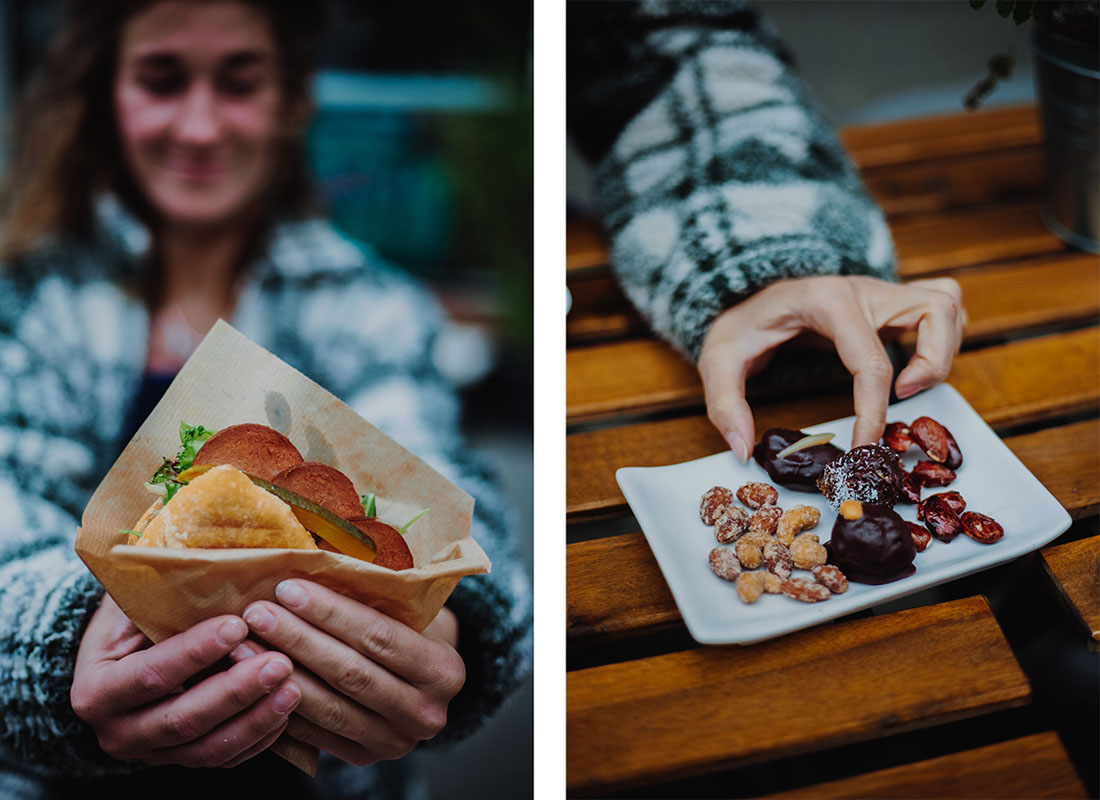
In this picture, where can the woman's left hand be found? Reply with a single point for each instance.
(372, 688)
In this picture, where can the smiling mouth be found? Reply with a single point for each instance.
(196, 170)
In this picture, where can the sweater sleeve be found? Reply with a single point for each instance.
(46, 593)
(384, 365)
(715, 172)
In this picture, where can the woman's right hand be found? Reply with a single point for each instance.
(851, 312)
(131, 692)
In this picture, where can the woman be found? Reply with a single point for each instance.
(159, 186)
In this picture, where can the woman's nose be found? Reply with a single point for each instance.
(197, 121)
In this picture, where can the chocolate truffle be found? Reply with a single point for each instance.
(798, 471)
(871, 544)
(870, 474)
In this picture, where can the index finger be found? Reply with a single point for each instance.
(381, 638)
(148, 675)
(861, 351)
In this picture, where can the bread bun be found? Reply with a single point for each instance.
(223, 508)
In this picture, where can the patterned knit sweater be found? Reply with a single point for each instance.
(73, 341)
(715, 173)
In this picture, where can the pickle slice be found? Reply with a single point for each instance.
(318, 520)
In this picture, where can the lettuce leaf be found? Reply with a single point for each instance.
(192, 438)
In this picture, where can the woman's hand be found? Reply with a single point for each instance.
(372, 688)
(851, 312)
(131, 692)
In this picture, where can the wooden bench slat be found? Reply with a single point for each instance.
(999, 299)
(1035, 766)
(1066, 460)
(1033, 377)
(1021, 381)
(942, 242)
(1074, 568)
(585, 247)
(925, 138)
(957, 182)
(600, 310)
(1010, 298)
(615, 588)
(711, 708)
(640, 375)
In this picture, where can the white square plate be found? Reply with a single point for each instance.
(665, 501)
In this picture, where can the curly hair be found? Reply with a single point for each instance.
(66, 145)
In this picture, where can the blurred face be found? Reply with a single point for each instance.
(198, 101)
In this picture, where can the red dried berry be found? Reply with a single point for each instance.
(910, 489)
(921, 537)
(897, 438)
(955, 500)
(981, 528)
(954, 454)
(940, 519)
(928, 473)
(936, 441)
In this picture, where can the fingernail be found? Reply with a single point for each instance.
(241, 652)
(274, 671)
(259, 619)
(286, 699)
(290, 594)
(738, 446)
(231, 632)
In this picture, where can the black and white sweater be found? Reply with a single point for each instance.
(73, 342)
(715, 173)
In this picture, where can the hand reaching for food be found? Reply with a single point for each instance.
(372, 688)
(135, 696)
(850, 311)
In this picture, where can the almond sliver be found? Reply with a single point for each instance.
(802, 444)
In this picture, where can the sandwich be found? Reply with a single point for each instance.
(249, 486)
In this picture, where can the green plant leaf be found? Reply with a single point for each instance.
(134, 533)
(369, 508)
(405, 527)
(1023, 11)
(192, 438)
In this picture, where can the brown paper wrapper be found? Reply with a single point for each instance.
(231, 380)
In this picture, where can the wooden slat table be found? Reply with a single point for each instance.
(647, 707)
(1032, 766)
(1074, 569)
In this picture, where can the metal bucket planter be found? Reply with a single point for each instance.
(1067, 75)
